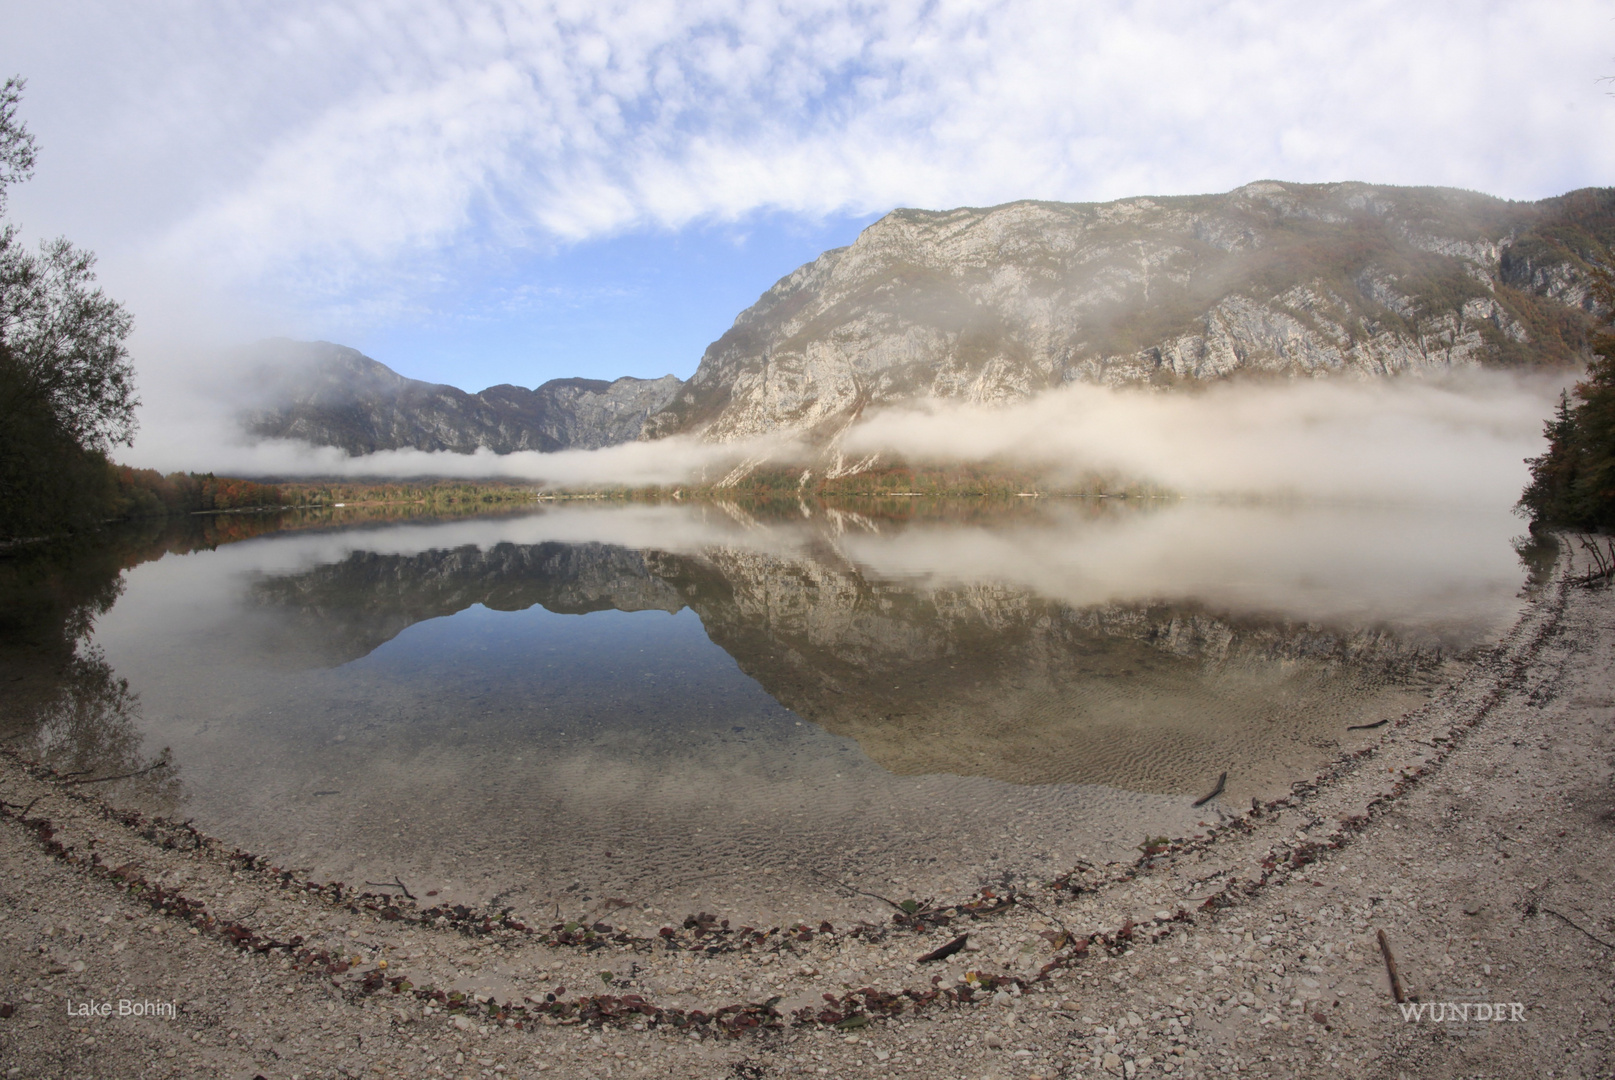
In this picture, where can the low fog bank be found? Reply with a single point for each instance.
(200, 439)
(1460, 440)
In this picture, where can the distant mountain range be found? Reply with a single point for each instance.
(997, 304)
(331, 395)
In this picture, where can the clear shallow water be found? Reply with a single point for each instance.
(700, 707)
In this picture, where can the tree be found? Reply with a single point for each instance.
(66, 338)
(1573, 483)
(66, 384)
(16, 145)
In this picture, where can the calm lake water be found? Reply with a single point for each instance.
(708, 707)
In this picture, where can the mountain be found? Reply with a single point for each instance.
(989, 305)
(1280, 279)
(331, 395)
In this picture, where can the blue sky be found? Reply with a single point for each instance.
(641, 303)
(495, 190)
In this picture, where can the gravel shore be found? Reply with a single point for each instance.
(1476, 835)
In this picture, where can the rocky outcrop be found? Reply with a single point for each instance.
(330, 395)
(989, 305)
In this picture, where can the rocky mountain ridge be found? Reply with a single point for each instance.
(331, 395)
(1290, 280)
(1002, 303)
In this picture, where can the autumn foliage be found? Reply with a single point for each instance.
(148, 493)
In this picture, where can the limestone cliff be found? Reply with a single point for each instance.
(1281, 279)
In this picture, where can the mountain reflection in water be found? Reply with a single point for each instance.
(984, 679)
(635, 677)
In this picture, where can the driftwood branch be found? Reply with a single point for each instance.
(1603, 571)
(945, 951)
(1221, 780)
(1390, 969)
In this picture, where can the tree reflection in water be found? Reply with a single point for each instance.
(64, 706)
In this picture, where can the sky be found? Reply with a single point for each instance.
(497, 191)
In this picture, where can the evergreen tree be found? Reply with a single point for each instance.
(1573, 483)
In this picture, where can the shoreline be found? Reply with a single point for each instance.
(1037, 958)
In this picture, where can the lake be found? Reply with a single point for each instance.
(747, 710)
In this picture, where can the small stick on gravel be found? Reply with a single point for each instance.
(395, 883)
(121, 776)
(945, 951)
(1221, 780)
(1368, 727)
(1572, 923)
(23, 811)
(1049, 915)
(1390, 968)
(862, 892)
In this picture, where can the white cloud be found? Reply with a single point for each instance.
(316, 147)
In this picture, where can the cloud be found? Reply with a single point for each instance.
(1415, 565)
(320, 149)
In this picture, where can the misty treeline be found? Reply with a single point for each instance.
(448, 495)
(146, 493)
(1573, 482)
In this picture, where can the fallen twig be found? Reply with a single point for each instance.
(862, 892)
(1390, 967)
(945, 951)
(395, 883)
(121, 776)
(1571, 922)
(22, 812)
(1221, 780)
(1049, 915)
